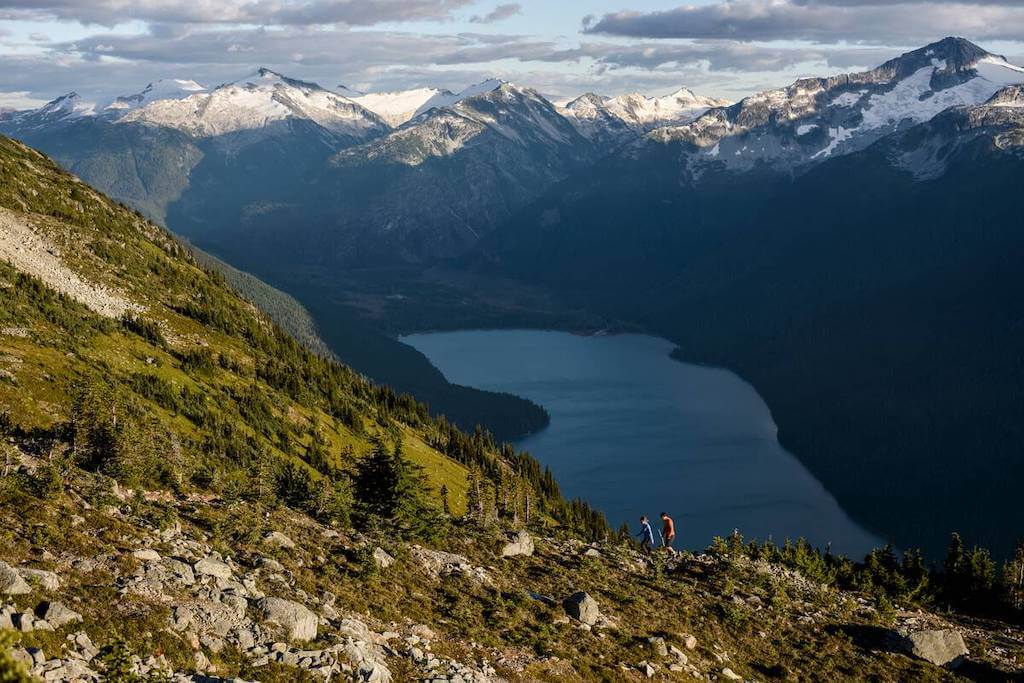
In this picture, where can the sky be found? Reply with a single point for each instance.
(562, 48)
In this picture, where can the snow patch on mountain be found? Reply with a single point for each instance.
(913, 99)
(401, 106)
(166, 89)
(601, 118)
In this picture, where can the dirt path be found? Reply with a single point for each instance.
(35, 255)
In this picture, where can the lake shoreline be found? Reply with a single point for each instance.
(610, 395)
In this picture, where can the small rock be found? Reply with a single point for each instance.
(212, 643)
(11, 581)
(270, 564)
(658, 645)
(276, 539)
(46, 579)
(689, 642)
(146, 555)
(731, 675)
(592, 552)
(583, 608)
(423, 632)
(57, 614)
(24, 622)
(522, 545)
(382, 558)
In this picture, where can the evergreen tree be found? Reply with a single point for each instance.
(474, 498)
(1013, 579)
(444, 500)
(376, 485)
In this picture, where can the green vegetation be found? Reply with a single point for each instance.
(200, 390)
(967, 581)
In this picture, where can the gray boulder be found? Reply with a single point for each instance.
(57, 614)
(522, 545)
(299, 622)
(583, 608)
(211, 566)
(11, 581)
(941, 647)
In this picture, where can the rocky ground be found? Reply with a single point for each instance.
(100, 577)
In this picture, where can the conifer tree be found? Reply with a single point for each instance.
(375, 485)
(445, 506)
(1013, 578)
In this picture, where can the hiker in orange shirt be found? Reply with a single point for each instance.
(668, 532)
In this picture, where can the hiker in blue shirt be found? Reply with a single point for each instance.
(646, 535)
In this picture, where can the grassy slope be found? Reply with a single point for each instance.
(110, 245)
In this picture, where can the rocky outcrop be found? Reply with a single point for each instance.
(440, 564)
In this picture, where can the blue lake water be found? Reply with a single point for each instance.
(635, 432)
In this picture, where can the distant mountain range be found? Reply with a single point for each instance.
(849, 245)
(846, 243)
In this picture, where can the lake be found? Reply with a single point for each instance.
(634, 432)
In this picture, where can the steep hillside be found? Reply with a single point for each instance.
(102, 303)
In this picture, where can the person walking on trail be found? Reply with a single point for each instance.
(646, 535)
(668, 532)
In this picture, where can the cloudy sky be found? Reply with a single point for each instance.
(726, 48)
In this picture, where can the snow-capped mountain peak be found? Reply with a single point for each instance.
(817, 118)
(63, 109)
(255, 102)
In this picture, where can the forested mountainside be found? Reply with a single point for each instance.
(873, 302)
(190, 494)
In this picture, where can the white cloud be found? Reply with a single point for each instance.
(499, 13)
(20, 99)
(823, 21)
(267, 12)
